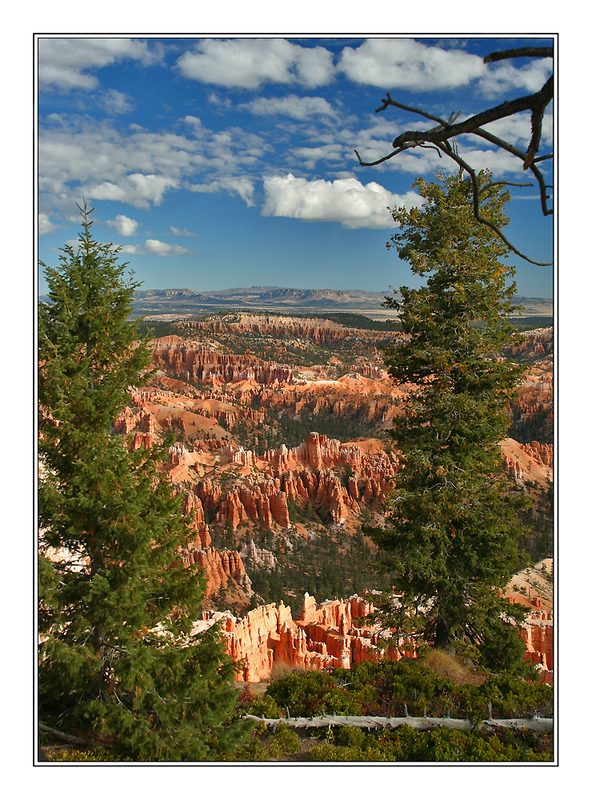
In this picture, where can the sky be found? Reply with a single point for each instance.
(219, 163)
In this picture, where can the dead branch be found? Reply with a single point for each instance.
(537, 724)
(440, 137)
(519, 52)
(63, 737)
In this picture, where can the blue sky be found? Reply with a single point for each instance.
(220, 163)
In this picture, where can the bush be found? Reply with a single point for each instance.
(439, 745)
(271, 744)
(307, 694)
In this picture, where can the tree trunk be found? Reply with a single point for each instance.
(442, 640)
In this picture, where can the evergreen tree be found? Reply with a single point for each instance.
(117, 662)
(453, 522)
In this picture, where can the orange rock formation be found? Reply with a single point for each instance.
(198, 362)
(531, 462)
(320, 331)
(533, 588)
(324, 636)
(305, 476)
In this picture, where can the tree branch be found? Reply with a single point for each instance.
(519, 52)
(476, 205)
(539, 724)
(440, 136)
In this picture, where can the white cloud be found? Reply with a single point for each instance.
(136, 166)
(243, 187)
(309, 156)
(180, 231)
(248, 63)
(499, 162)
(194, 122)
(64, 63)
(154, 247)
(125, 226)
(45, 224)
(291, 106)
(222, 102)
(503, 77)
(163, 248)
(407, 64)
(347, 201)
(115, 102)
(517, 129)
(137, 189)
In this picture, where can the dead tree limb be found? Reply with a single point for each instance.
(63, 737)
(440, 137)
(536, 724)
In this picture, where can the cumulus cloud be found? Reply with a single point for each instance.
(249, 63)
(194, 122)
(164, 248)
(346, 200)
(291, 106)
(407, 64)
(66, 63)
(154, 247)
(518, 131)
(309, 156)
(125, 226)
(137, 189)
(136, 166)
(115, 102)
(180, 231)
(243, 187)
(503, 77)
(45, 224)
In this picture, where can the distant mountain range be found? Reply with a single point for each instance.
(273, 298)
(157, 302)
(258, 294)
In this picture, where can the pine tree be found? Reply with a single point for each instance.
(453, 524)
(117, 663)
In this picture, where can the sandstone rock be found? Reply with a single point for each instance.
(325, 636)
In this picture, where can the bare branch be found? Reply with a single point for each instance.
(441, 137)
(506, 109)
(476, 206)
(519, 52)
(380, 160)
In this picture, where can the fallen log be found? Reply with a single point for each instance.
(63, 737)
(537, 724)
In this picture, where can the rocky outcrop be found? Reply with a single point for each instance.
(320, 331)
(360, 398)
(224, 569)
(533, 588)
(321, 475)
(531, 462)
(337, 633)
(193, 361)
(258, 557)
(323, 637)
(535, 346)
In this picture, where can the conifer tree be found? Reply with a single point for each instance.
(453, 523)
(117, 663)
